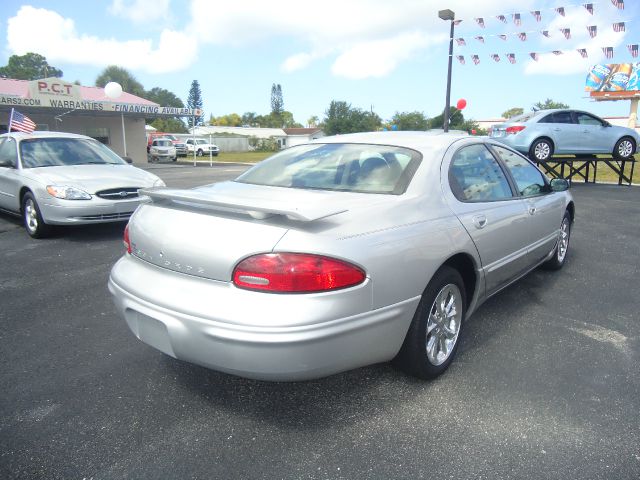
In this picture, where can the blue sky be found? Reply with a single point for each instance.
(386, 55)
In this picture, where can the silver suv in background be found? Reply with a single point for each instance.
(544, 133)
(201, 147)
(162, 149)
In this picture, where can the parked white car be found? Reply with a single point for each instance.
(201, 147)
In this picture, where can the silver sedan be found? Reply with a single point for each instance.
(54, 178)
(344, 252)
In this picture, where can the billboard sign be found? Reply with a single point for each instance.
(613, 81)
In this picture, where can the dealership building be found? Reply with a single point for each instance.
(60, 106)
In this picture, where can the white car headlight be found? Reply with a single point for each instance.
(159, 183)
(67, 192)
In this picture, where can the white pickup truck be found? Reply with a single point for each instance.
(201, 147)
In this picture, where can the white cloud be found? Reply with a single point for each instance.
(62, 43)
(140, 11)
(297, 62)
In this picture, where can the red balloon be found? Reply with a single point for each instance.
(461, 104)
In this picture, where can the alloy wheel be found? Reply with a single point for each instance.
(443, 324)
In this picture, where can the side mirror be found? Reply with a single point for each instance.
(606, 124)
(128, 159)
(559, 185)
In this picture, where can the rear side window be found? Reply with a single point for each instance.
(529, 179)
(475, 176)
(359, 168)
(8, 153)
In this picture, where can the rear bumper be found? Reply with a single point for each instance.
(246, 333)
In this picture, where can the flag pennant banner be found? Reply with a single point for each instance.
(560, 11)
(457, 22)
(593, 30)
(633, 49)
(461, 59)
(476, 59)
(502, 18)
(557, 52)
(583, 52)
(461, 42)
(503, 36)
(589, 7)
(566, 32)
(511, 57)
(619, 27)
(535, 56)
(618, 3)
(536, 14)
(20, 122)
(516, 19)
(480, 22)
(608, 52)
(495, 57)
(545, 33)
(480, 39)
(522, 36)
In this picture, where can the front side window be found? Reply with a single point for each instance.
(586, 119)
(475, 176)
(51, 152)
(341, 167)
(529, 180)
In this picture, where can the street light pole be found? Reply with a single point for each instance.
(448, 15)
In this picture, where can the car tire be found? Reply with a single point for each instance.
(199, 152)
(562, 248)
(32, 218)
(175, 159)
(434, 335)
(541, 150)
(624, 148)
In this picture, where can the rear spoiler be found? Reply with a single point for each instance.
(227, 203)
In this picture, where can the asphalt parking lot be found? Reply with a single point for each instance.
(546, 384)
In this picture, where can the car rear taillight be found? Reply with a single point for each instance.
(126, 241)
(515, 129)
(295, 273)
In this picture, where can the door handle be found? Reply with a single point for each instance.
(480, 221)
(531, 210)
(556, 129)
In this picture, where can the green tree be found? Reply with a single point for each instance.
(127, 81)
(277, 102)
(513, 112)
(456, 120)
(249, 118)
(30, 66)
(547, 104)
(313, 121)
(194, 102)
(340, 117)
(230, 120)
(415, 121)
(169, 125)
(163, 97)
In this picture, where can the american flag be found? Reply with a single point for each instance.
(461, 59)
(589, 7)
(20, 122)
(582, 52)
(503, 37)
(537, 15)
(608, 52)
(457, 22)
(516, 19)
(557, 52)
(618, 27)
(566, 32)
(480, 39)
(545, 33)
(502, 18)
(633, 49)
(618, 3)
(496, 57)
(535, 56)
(461, 41)
(511, 57)
(480, 21)
(560, 11)
(593, 31)
(522, 36)
(476, 59)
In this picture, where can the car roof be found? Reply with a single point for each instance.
(417, 140)
(42, 134)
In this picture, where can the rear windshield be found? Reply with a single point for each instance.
(342, 167)
(50, 152)
(525, 117)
